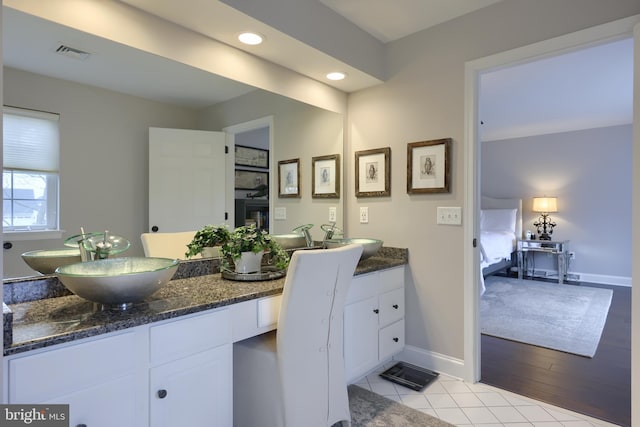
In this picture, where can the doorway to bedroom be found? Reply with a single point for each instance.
(532, 145)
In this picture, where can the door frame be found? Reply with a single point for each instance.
(623, 28)
(231, 132)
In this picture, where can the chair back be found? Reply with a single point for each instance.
(167, 245)
(310, 336)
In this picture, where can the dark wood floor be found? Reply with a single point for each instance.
(599, 387)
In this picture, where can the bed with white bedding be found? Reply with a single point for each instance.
(500, 226)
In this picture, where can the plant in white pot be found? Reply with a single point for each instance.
(247, 245)
(207, 239)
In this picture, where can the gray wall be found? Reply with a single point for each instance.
(590, 173)
(103, 157)
(422, 100)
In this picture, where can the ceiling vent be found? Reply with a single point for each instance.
(72, 52)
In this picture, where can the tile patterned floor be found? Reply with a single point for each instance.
(465, 404)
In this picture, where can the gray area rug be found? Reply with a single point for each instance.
(563, 317)
(370, 409)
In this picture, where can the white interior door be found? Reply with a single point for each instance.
(186, 179)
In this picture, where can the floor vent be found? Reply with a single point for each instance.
(411, 376)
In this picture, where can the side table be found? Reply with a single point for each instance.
(558, 248)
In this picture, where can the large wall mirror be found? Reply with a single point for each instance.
(104, 127)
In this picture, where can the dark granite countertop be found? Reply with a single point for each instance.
(55, 316)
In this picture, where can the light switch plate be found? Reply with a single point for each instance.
(449, 215)
(332, 214)
(280, 213)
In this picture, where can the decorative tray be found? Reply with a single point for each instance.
(267, 273)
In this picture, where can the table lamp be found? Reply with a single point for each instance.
(545, 205)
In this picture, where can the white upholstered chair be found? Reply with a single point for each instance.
(167, 245)
(295, 377)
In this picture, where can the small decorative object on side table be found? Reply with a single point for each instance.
(558, 248)
(545, 205)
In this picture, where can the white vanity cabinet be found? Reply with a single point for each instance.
(99, 379)
(373, 320)
(191, 372)
(169, 373)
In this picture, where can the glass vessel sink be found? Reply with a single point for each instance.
(290, 241)
(46, 261)
(370, 246)
(117, 281)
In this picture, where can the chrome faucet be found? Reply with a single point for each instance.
(304, 229)
(104, 247)
(330, 230)
(89, 252)
(85, 255)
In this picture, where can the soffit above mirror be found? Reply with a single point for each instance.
(30, 43)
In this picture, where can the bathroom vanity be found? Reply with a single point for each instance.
(168, 361)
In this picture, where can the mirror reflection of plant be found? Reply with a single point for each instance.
(208, 236)
(248, 238)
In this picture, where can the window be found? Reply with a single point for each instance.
(31, 152)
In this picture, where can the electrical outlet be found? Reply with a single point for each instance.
(332, 214)
(364, 215)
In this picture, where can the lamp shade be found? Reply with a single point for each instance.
(545, 204)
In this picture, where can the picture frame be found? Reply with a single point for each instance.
(250, 179)
(289, 178)
(373, 172)
(325, 173)
(250, 156)
(428, 166)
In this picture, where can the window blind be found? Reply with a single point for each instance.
(31, 140)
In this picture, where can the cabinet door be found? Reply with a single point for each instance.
(360, 337)
(109, 404)
(195, 391)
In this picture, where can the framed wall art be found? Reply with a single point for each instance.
(250, 180)
(249, 156)
(428, 166)
(325, 172)
(289, 178)
(373, 172)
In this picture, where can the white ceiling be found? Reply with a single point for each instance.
(589, 88)
(584, 89)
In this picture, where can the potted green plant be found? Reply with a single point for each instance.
(208, 236)
(249, 244)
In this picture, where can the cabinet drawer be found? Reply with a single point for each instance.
(391, 340)
(40, 377)
(180, 338)
(391, 306)
(362, 287)
(392, 278)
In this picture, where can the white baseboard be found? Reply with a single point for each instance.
(591, 278)
(431, 360)
(605, 280)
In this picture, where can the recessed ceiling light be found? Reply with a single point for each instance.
(251, 38)
(336, 76)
